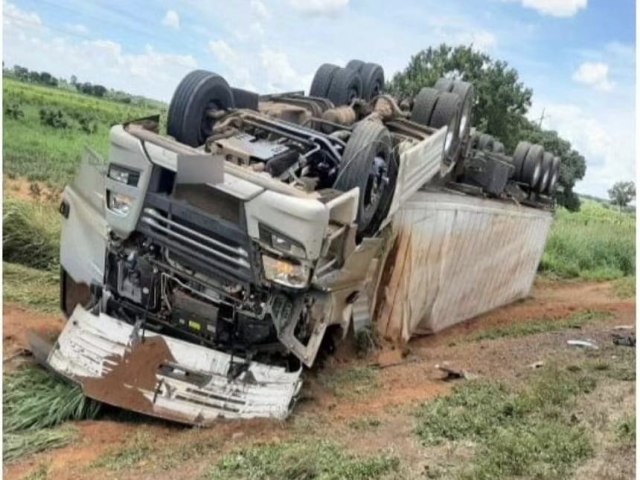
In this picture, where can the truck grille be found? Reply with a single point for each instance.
(204, 243)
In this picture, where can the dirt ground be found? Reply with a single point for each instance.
(373, 419)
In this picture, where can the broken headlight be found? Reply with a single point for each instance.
(284, 272)
(281, 242)
(119, 203)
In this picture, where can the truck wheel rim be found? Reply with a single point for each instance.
(448, 141)
(376, 184)
(536, 175)
(464, 119)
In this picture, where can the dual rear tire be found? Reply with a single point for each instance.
(535, 167)
(343, 85)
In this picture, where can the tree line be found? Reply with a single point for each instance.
(96, 90)
(502, 102)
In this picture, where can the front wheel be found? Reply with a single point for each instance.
(198, 95)
(369, 164)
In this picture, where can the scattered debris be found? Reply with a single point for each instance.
(454, 373)
(536, 365)
(623, 327)
(583, 344)
(624, 340)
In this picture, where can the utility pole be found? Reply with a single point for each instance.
(542, 117)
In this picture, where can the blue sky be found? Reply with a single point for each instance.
(577, 55)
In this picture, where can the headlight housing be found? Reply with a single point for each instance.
(124, 175)
(119, 203)
(285, 272)
(281, 242)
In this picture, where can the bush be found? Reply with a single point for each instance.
(14, 111)
(53, 118)
(595, 243)
(31, 234)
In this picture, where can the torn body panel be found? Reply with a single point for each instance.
(157, 375)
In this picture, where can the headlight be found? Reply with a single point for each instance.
(285, 273)
(124, 175)
(119, 203)
(281, 242)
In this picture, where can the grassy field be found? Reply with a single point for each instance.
(596, 243)
(48, 150)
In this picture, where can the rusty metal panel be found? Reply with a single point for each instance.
(166, 377)
(456, 257)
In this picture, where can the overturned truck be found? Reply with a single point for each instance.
(203, 269)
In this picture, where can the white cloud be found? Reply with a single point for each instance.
(260, 10)
(148, 72)
(280, 74)
(319, 7)
(270, 69)
(235, 67)
(77, 28)
(594, 74)
(556, 8)
(171, 20)
(14, 16)
(605, 140)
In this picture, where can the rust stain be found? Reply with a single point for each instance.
(130, 376)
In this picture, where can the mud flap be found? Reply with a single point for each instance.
(165, 377)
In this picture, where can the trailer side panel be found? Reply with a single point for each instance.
(456, 257)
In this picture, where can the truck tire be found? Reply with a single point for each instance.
(444, 85)
(372, 80)
(345, 87)
(368, 158)
(519, 155)
(546, 171)
(423, 105)
(498, 147)
(447, 114)
(473, 141)
(197, 94)
(532, 166)
(555, 176)
(485, 142)
(244, 99)
(355, 65)
(466, 93)
(322, 80)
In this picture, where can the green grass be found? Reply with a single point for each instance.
(30, 287)
(366, 423)
(625, 287)
(626, 431)
(527, 432)
(595, 243)
(33, 399)
(41, 472)
(44, 153)
(31, 233)
(303, 459)
(352, 382)
(138, 449)
(20, 444)
(543, 325)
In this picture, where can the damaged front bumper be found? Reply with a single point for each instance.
(157, 375)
